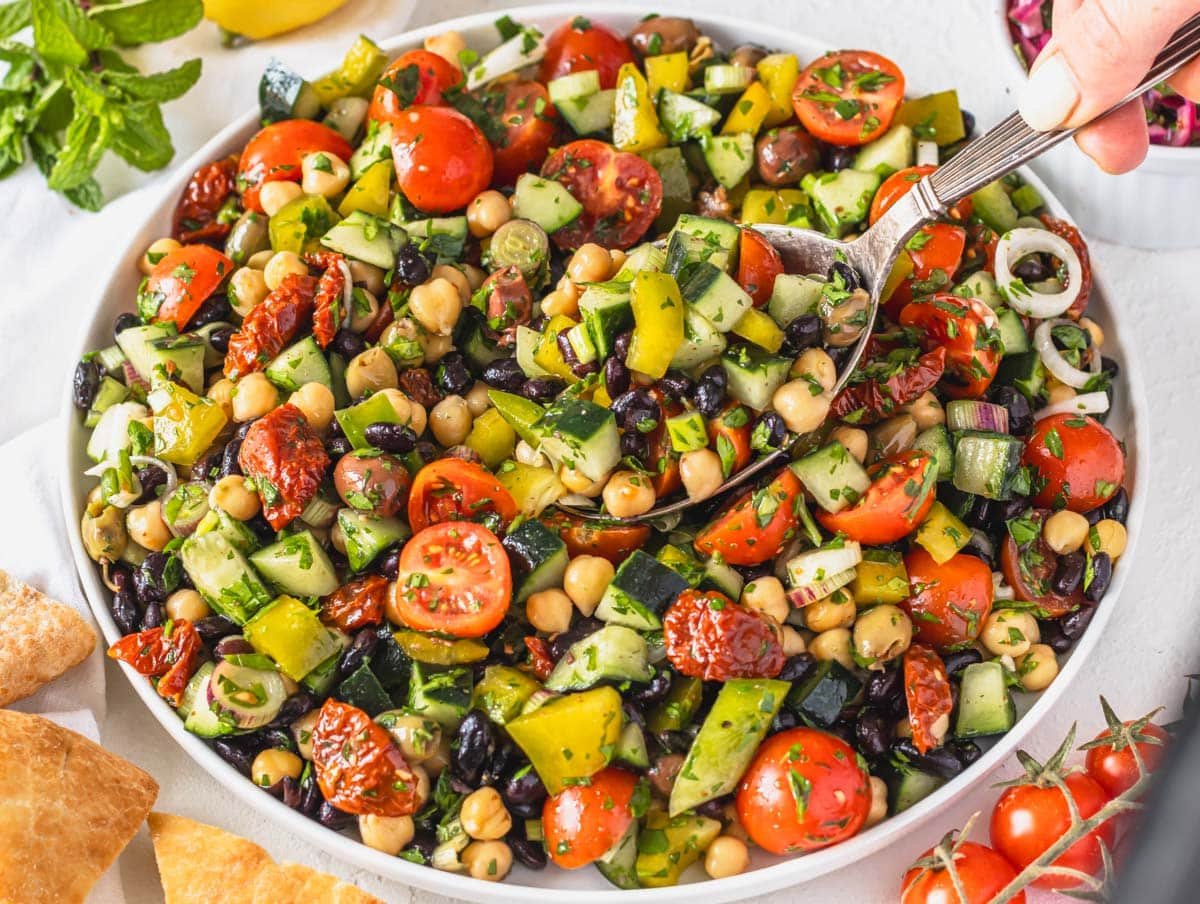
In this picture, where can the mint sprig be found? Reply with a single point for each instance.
(69, 97)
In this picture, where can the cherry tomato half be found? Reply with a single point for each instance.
(729, 435)
(1078, 464)
(358, 766)
(1029, 568)
(755, 529)
(419, 76)
(582, 823)
(1112, 764)
(901, 493)
(758, 265)
(982, 872)
(451, 489)
(620, 192)
(895, 187)
(588, 538)
(454, 578)
(581, 45)
(950, 602)
(529, 122)
(848, 97)
(442, 159)
(937, 248)
(965, 329)
(805, 789)
(274, 154)
(182, 281)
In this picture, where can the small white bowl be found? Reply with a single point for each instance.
(1154, 207)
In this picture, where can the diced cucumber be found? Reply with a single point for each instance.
(639, 592)
(198, 717)
(729, 157)
(591, 113)
(981, 285)
(479, 349)
(361, 688)
(298, 364)
(675, 711)
(619, 865)
(843, 199)
(833, 476)
(110, 392)
(644, 257)
(580, 340)
(822, 696)
(1012, 332)
(368, 535)
(683, 118)
(180, 357)
(136, 343)
(701, 341)
(443, 237)
(297, 565)
(283, 94)
(614, 653)
(722, 577)
(753, 375)
(223, 576)
(885, 155)
(727, 78)
(1025, 372)
(993, 206)
(1027, 199)
(391, 665)
(581, 435)
(545, 202)
(292, 635)
(985, 464)
(688, 431)
(713, 293)
(366, 238)
(573, 85)
(322, 679)
(631, 748)
(719, 243)
(239, 536)
(985, 706)
(935, 441)
(793, 296)
(527, 343)
(672, 169)
(538, 556)
(910, 785)
(669, 845)
(442, 695)
(376, 146)
(606, 312)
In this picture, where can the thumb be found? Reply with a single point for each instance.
(1098, 54)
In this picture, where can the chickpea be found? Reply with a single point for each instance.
(484, 816)
(549, 611)
(854, 439)
(1110, 537)
(881, 634)
(259, 259)
(323, 173)
(104, 534)
(833, 645)
(585, 580)
(417, 737)
(817, 364)
(487, 212)
(302, 730)
(273, 764)
(221, 392)
(247, 289)
(434, 348)
(896, 434)
(337, 537)
(478, 400)
(1060, 393)
(146, 526)
(187, 604)
(578, 482)
(274, 196)
(437, 763)
(791, 640)
(455, 277)
(835, 611)
(411, 413)
(282, 265)
(526, 454)
(450, 420)
(436, 305)
(700, 471)
(390, 834)
(845, 321)
(802, 410)
(1037, 668)
(1065, 531)
(370, 371)
(559, 302)
(591, 263)
(1094, 331)
(231, 496)
(421, 795)
(766, 595)
(253, 396)
(879, 802)
(368, 276)
(618, 259)
(726, 856)
(315, 401)
(448, 45)
(628, 494)
(475, 276)
(402, 339)
(158, 249)
(364, 308)
(1008, 632)
(487, 860)
(926, 410)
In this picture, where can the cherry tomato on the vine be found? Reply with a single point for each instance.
(981, 872)
(1113, 765)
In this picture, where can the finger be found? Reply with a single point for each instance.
(1061, 10)
(1097, 55)
(1187, 81)
(1118, 142)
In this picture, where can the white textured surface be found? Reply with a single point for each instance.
(1150, 643)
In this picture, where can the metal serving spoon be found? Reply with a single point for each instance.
(1009, 145)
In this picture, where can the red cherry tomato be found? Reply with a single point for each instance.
(1112, 764)
(451, 489)
(358, 766)
(981, 874)
(895, 187)
(287, 461)
(758, 265)
(588, 538)
(454, 578)
(274, 155)
(181, 281)
(1029, 568)
(805, 789)
(927, 692)
(848, 97)
(936, 249)
(198, 212)
(660, 457)
(581, 45)
(442, 159)
(1029, 818)
(620, 192)
(950, 602)
(709, 636)
(961, 327)
(582, 823)
(416, 77)
(729, 435)
(529, 121)
(169, 652)
(356, 604)
(1078, 464)
(755, 528)
(901, 493)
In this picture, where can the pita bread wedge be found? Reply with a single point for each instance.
(40, 639)
(69, 808)
(201, 864)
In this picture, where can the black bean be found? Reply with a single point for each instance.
(675, 384)
(621, 345)
(1001, 513)
(233, 645)
(474, 744)
(213, 627)
(709, 396)
(1075, 622)
(957, 661)
(542, 389)
(784, 720)
(967, 752)
(397, 438)
(219, 339)
(968, 119)
(580, 628)
(356, 654)
(1020, 415)
(1068, 574)
(262, 530)
(507, 759)
(84, 384)
(151, 478)
(1052, 635)
(529, 854)
(505, 374)
(838, 157)
(939, 760)
(1117, 508)
(125, 611)
(633, 444)
(332, 818)
(674, 741)
(616, 377)
(337, 446)
(637, 411)
(848, 274)
(214, 309)
(388, 563)
(1032, 269)
(411, 266)
(160, 573)
(980, 545)
(348, 344)
(1110, 367)
(234, 753)
(310, 795)
(713, 809)
(230, 466)
(883, 687)
(769, 432)
(523, 787)
(423, 843)
(802, 333)
(873, 732)
(293, 708)
(798, 667)
(1102, 572)
(241, 431)
(658, 688)
(979, 514)
(452, 375)
(124, 322)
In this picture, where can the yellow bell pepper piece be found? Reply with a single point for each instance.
(779, 73)
(371, 192)
(293, 635)
(942, 534)
(434, 650)
(571, 737)
(658, 323)
(880, 578)
(667, 70)
(361, 67)
(547, 356)
(264, 19)
(601, 397)
(299, 224)
(533, 488)
(937, 117)
(185, 424)
(502, 692)
(760, 328)
(765, 205)
(635, 121)
(750, 111)
(901, 270)
(492, 438)
(669, 845)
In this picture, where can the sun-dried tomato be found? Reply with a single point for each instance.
(539, 657)
(884, 386)
(358, 766)
(357, 604)
(270, 326)
(417, 384)
(197, 215)
(286, 460)
(927, 689)
(327, 305)
(168, 652)
(509, 304)
(709, 636)
(1065, 230)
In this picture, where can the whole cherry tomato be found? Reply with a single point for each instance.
(358, 766)
(442, 159)
(169, 652)
(981, 871)
(197, 215)
(927, 692)
(271, 325)
(454, 578)
(965, 328)
(416, 77)
(581, 45)
(582, 823)
(1029, 567)
(1075, 240)
(878, 389)
(950, 602)
(286, 460)
(758, 265)
(902, 491)
(1030, 817)
(936, 252)
(756, 527)
(180, 282)
(709, 636)
(356, 604)
(1077, 462)
(848, 97)
(590, 538)
(805, 789)
(530, 122)
(895, 187)
(451, 489)
(729, 434)
(1111, 762)
(274, 155)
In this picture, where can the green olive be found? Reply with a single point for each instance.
(104, 535)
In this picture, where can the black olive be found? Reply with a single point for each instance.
(633, 444)
(388, 563)
(801, 333)
(957, 661)
(261, 528)
(505, 374)
(1020, 415)
(633, 713)
(235, 645)
(411, 266)
(245, 428)
(213, 627)
(125, 611)
(234, 753)
(219, 338)
(1110, 367)
(84, 384)
(1102, 572)
(580, 628)
(277, 736)
(1068, 574)
(542, 389)
(1033, 269)
(397, 438)
(873, 732)
(286, 789)
(979, 514)
(1117, 508)
(214, 309)
(423, 843)
(125, 322)
(658, 688)
(310, 795)
(714, 809)
(348, 344)
(293, 708)
(152, 478)
(798, 667)
(154, 616)
(616, 377)
(838, 157)
(337, 446)
(474, 744)
(161, 570)
(527, 853)
(1001, 513)
(676, 385)
(452, 375)
(358, 652)
(709, 397)
(939, 760)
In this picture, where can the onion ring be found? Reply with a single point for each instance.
(1017, 243)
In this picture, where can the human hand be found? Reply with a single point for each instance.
(1099, 52)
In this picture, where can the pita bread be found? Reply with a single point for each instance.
(40, 639)
(69, 808)
(201, 864)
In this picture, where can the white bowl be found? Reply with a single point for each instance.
(1154, 207)
(768, 873)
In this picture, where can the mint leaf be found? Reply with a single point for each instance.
(14, 17)
(159, 86)
(63, 33)
(140, 138)
(148, 21)
(83, 146)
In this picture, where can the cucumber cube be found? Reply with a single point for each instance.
(688, 431)
(581, 435)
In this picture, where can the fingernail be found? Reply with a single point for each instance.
(1049, 96)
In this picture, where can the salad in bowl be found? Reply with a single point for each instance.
(435, 297)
